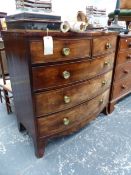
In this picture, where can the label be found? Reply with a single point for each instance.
(48, 45)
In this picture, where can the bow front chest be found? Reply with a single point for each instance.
(58, 94)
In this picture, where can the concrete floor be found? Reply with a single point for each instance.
(101, 148)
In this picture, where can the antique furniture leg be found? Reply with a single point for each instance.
(105, 111)
(7, 101)
(20, 126)
(39, 147)
(111, 107)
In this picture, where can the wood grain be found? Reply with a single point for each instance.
(45, 77)
(53, 101)
(122, 71)
(125, 44)
(54, 123)
(121, 84)
(99, 45)
(121, 87)
(123, 57)
(39, 86)
(79, 48)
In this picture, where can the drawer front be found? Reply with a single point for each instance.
(103, 45)
(56, 100)
(125, 43)
(64, 49)
(67, 119)
(122, 87)
(123, 71)
(123, 57)
(63, 74)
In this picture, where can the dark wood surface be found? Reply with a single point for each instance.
(103, 45)
(121, 84)
(39, 86)
(123, 57)
(55, 123)
(121, 87)
(125, 43)
(79, 48)
(45, 77)
(54, 100)
(18, 63)
(39, 34)
(122, 71)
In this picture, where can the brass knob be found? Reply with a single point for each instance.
(66, 74)
(108, 46)
(67, 99)
(101, 101)
(104, 82)
(106, 63)
(66, 51)
(66, 121)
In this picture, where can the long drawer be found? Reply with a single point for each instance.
(64, 49)
(103, 45)
(45, 77)
(63, 98)
(122, 87)
(67, 119)
(122, 71)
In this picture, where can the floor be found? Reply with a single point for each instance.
(101, 148)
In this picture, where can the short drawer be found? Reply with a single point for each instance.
(122, 71)
(64, 49)
(123, 57)
(125, 44)
(62, 121)
(45, 77)
(63, 98)
(103, 45)
(121, 88)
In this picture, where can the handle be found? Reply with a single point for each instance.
(66, 74)
(66, 51)
(106, 63)
(108, 46)
(126, 71)
(67, 99)
(101, 101)
(66, 121)
(104, 82)
(129, 44)
(123, 86)
(128, 57)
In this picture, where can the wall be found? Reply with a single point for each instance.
(8, 6)
(66, 8)
(108, 4)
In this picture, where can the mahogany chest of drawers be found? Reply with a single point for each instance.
(57, 94)
(121, 84)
